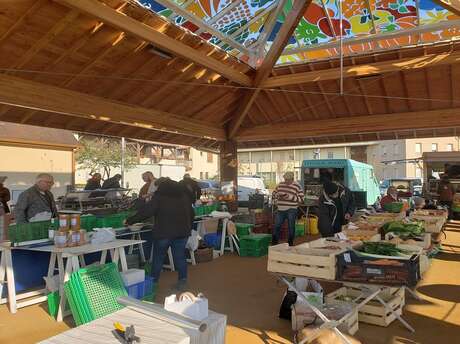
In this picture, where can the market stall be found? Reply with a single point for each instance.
(376, 262)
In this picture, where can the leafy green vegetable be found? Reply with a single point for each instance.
(404, 229)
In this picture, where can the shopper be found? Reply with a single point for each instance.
(446, 193)
(288, 195)
(5, 195)
(173, 217)
(149, 187)
(112, 183)
(192, 187)
(390, 197)
(4, 209)
(331, 215)
(94, 182)
(37, 199)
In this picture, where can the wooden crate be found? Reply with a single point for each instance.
(424, 264)
(432, 224)
(301, 319)
(374, 312)
(358, 234)
(425, 243)
(303, 260)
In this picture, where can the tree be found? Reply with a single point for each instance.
(103, 155)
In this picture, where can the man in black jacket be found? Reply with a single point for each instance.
(112, 183)
(173, 217)
(193, 189)
(336, 207)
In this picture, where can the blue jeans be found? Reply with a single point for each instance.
(160, 249)
(281, 216)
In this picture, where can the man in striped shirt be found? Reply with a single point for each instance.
(287, 195)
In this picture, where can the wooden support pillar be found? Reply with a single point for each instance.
(229, 163)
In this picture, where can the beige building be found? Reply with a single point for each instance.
(270, 164)
(26, 151)
(392, 159)
(204, 165)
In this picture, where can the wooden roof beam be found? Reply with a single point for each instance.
(37, 96)
(445, 118)
(362, 70)
(451, 5)
(265, 69)
(146, 33)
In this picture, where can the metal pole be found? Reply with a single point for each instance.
(123, 151)
(341, 47)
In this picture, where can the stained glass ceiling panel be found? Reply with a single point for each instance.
(247, 28)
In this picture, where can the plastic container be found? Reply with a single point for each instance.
(133, 276)
(313, 225)
(60, 239)
(394, 207)
(258, 252)
(64, 222)
(255, 241)
(299, 229)
(243, 229)
(88, 222)
(75, 222)
(213, 240)
(141, 289)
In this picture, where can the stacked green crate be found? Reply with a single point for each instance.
(28, 231)
(88, 222)
(243, 229)
(92, 292)
(255, 245)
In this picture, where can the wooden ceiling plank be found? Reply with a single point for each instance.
(37, 4)
(363, 70)
(429, 119)
(326, 99)
(133, 27)
(364, 97)
(57, 28)
(30, 94)
(451, 5)
(265, 69)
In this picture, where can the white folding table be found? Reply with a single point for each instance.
(7, 277)
(75, 260)
(149, 329)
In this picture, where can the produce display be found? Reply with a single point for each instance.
(383, 249)
(404, 229)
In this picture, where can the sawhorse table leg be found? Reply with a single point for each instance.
(7, 274)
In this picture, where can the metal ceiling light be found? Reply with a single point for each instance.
(159, 52)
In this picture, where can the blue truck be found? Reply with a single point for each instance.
(357, 176)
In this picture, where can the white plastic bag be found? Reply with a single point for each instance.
(188, 305)
(193, 241)
(102, 235)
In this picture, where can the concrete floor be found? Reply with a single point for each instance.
(242, 289)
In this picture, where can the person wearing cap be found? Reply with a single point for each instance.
(287, 195)
(336, 207)
(36, 200)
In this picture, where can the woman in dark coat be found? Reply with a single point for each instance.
(173, 218)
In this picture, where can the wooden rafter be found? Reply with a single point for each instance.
(33, 95)
(445, 118)
(265, 69)
(133, 27)
(363, 70)
(200, 23)
(451, 5)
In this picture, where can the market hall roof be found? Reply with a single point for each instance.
(116, 68)
(247, 28)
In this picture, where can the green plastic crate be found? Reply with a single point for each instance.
(299, 230)
(72, 305)
(394, 207)
(88, 222)
(243, 229)
(255, 241)
(258, 252)
(151, 297)
(28, 231)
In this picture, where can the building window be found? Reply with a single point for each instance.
(418, 172)
(434, 147)
(209, 159)
(201, 175)
(206, 175)
(418, 148)
(450, 147)
(317, 154)
(201, 153)
(330, 155)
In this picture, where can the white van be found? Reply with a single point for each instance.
(250, 185)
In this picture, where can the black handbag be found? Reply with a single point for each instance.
(289, 299)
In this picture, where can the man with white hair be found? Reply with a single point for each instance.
(37, 199)
(288, 195)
